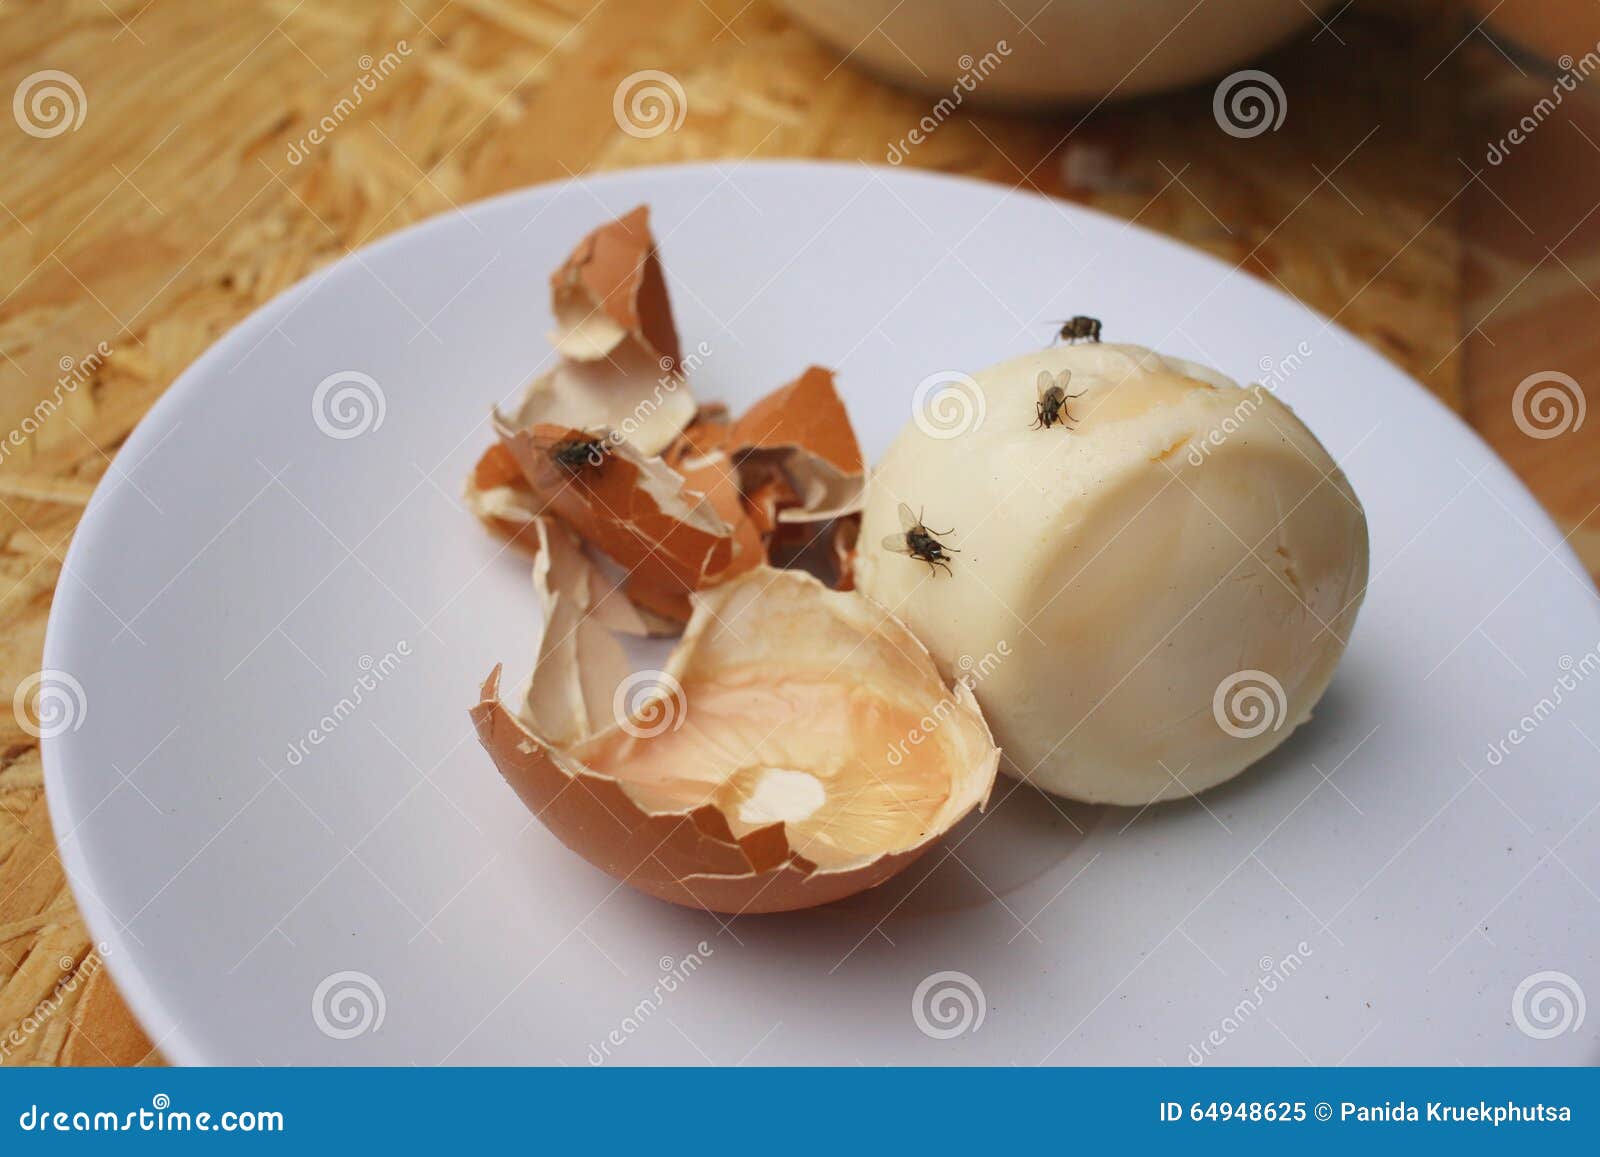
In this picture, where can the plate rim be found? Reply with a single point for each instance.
(139, 993)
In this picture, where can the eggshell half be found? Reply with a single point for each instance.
(694, 811)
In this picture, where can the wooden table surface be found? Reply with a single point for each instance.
(174, 209)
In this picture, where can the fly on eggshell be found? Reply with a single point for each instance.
(778, 779)
(683, 497)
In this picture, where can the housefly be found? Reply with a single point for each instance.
(1051, 406)
(572, 452)
(917, 541)
(1079, 328)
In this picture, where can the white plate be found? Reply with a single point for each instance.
(240, 566)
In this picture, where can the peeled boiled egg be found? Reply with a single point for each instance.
(1146, 572)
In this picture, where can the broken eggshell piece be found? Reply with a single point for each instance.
(634, 508)
(610, 290)
(620, 364)
(580, 660)
(805, 749)
(680, 496)
(501, 498)
(803, 431)
(723, 497)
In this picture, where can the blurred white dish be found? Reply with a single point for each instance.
(1034, 52)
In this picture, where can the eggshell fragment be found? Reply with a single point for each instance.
(768, 495)
(715, 478)
(808, 749)
(501, 498)
(619, 367)
(846, 534)
(580, 661)
(634, 508)
(803, 429)
(697, 498)
(707, 434)
(624, 394)
(611, 289)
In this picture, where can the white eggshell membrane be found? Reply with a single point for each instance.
(1129, 593)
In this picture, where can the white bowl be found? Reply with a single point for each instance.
(264, 858)
(997, 53)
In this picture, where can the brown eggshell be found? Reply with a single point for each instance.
(624, 394)
(709, 432)
(612, 288)
(501, 498)
(619, 369)
(690, 854)
(715, 477)
(767, 493)
(846, 533)
(633, 508)
(806, 414)
(580, 660)
(691, 858)
(802, 428)
(670, 607)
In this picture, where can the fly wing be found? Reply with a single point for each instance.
(1053, 387)
(566, 453)
(554, 435)
(896, 543)
(549, 471)
(908, 521)
(546, 440)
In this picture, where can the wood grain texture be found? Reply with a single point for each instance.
(178, 206)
